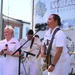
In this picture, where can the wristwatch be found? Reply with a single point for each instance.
(53, 65)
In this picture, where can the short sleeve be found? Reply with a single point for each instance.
(60, 39)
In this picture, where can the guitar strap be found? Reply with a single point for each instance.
(50, 46)
(32, 41)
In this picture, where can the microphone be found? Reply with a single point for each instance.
(42, 26)
(5, 49)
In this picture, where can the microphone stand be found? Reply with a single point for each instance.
(19, 49)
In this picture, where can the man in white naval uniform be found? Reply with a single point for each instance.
(60, 60)
(31, 62)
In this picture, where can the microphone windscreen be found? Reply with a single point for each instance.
(5, 49)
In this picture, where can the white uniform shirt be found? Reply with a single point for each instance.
(9, 64)
(35, 47)
(58, 41)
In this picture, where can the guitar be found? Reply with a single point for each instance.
(46, 60)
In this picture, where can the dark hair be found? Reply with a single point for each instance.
(57, 17)
(37, 36)
(30, 32)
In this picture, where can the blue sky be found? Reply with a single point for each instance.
(19, 9)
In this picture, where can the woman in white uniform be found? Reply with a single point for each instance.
(60, 60)
(8, 63)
